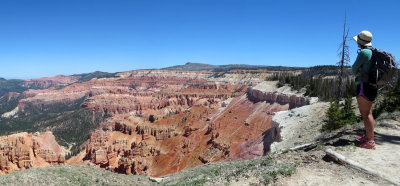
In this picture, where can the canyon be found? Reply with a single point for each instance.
(159, 122)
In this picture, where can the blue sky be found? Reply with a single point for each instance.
(48, 38)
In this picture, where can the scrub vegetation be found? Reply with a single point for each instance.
(261, 171)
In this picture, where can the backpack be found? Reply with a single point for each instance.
(383, 68)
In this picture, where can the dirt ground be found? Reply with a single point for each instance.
(314, 167)
(385, 159)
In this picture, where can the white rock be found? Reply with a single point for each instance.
(11, 113)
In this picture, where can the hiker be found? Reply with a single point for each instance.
(366, 93)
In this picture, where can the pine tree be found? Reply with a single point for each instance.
(333, 113)
(339, 115)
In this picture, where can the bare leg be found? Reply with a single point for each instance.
(365, 108)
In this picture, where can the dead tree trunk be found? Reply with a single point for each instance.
(345, 59)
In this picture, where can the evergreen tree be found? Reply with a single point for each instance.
(391, 100)
(339, 115)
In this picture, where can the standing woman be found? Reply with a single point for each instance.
(366, 93)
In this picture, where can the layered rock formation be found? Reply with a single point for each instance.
(164, 121)
(268, 92)
(166, 73)
(182, 140)
(26, 150)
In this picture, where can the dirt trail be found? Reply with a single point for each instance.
(385, 159)
(314, 167)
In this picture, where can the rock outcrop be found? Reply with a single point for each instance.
(26, 150)
(277, 97)
(287, 129)
(300, 123)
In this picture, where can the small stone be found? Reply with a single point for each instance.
(158, 180)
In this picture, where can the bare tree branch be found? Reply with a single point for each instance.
(344, 54)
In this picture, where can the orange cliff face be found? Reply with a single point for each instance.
(26, 150)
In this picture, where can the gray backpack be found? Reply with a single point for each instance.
(383, 69)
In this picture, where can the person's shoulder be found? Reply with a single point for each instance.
(366, 52)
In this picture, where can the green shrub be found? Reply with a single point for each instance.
(390, 101)
(339, 115)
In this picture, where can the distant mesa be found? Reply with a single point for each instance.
(193, 67)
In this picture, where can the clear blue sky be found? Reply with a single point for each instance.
(46, 38)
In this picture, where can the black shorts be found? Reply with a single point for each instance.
(367, 91)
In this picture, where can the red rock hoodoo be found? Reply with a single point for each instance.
(26, 150)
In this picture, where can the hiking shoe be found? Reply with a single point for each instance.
(362, 138)
(368, 145)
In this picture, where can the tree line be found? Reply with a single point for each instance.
(323, 87)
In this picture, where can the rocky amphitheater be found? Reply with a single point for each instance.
(160, 121)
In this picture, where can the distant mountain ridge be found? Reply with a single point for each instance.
(11, 85)
(19, 85)
(97, 74)
(190, 66)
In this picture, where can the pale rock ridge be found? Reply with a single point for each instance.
(270, 94)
